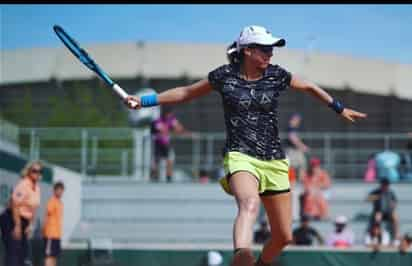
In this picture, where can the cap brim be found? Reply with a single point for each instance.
(268, 41)
(280, 43)
(274, 42)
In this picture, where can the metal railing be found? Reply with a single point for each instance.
(104, 152)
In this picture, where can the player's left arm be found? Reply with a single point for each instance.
(303, 85)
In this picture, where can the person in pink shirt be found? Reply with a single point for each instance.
(18, 219)
(161, 129)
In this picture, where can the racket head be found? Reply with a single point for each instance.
(80, 53)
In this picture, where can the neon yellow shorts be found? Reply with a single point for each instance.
(272, 175)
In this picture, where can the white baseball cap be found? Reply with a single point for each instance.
(214, 258)
(341, 219)
(258, 35)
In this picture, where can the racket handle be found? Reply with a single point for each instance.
(123, 94)
(120, 91)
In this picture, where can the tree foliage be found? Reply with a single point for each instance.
(82, 106)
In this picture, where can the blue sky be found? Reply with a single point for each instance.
(381, 32)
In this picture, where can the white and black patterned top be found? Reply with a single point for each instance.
(251, 110)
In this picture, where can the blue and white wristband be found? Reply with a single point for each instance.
(149, 100)
(337, 106)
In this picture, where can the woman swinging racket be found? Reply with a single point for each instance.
(255, 164)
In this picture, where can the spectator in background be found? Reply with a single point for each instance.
(409, 144)
(387, 165)
(384, 204)
(305, 234)
(52, 229)
(370, 173)
(18, 218)
(377, 237)
(316, 183)
(343, 236)
(407, 160)
(263, 233)
(405, 243)
(161, 129)
(203, 177)
(295, 148)
(212, 258)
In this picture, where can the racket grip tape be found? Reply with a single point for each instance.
(120, 91)
(123, 94)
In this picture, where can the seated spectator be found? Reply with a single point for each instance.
(203, 176)
(262, 234)
(405, 243)
(384, 205)
(305, 234)
(342, 237)
(377, 237)
(316, 183)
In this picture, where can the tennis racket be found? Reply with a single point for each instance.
(87, 60)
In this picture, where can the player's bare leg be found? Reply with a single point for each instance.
(50, 261)
(245, 189)
(279, 213)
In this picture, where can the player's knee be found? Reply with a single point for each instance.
(286, 240)
(249, 206)
(394, 219)
(282, 238)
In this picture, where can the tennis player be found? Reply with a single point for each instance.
(255, 164)
(17, 220)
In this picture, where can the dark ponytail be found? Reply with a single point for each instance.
(233, 55)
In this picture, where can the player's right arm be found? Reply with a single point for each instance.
(176, 95)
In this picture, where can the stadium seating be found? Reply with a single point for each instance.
(200, 213)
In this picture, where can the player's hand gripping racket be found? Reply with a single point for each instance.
(85, 58)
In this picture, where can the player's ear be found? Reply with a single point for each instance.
(247, 51)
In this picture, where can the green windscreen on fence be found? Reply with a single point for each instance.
(15, 164)
(129, 257)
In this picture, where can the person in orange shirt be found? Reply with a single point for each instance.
(18, 218)
(316, 183)
(52, 229)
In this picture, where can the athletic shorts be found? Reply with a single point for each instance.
(272, 175)
(163, 152)
(52, 247)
